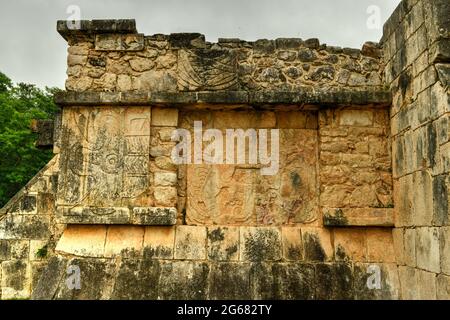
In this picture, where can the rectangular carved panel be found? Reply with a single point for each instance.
(238, 194)
(104, 167)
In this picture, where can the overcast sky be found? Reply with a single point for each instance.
(32, 51)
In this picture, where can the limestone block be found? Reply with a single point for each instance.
(159, 242)
(359, 217)
(47, 284)
(410, 247)
(292, 243)
(80, 240)
(124, 240)
(183, 280)
(119, 42)
(334, 281)
(317, 244)
(19, 249)
(141, 64)
(165, 178)
(15, 280)
(426, 283)
(74, 60)
(403, 199)
(190, 242)
(165, 163)
(4, 250)
(445, 249)
(94, 215)
(164, 117)
(398, 235)
(96, 277)
(380, 247)
(165, 196)
(369, 273)
(136, 279)
(154, 216)
(124, 83)
(78, 84)
(350, 244)
(157, 81)
(427, 249)
(229, 281)
(244, 119)
(441, 199)
(25, 226)
(443, 287)
(223, 243)
(260, 244)
(409, 283)
(293, 281)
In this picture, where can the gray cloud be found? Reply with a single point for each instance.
(32, 51)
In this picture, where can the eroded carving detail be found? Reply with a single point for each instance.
(202, 69)
(106, 154)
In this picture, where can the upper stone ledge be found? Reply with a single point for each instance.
(197, 40)
(67, 28)
(301, 97)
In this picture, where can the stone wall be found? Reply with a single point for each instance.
(101, 59)
(416, 55)
(358, 208)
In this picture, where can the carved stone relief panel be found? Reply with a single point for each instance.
(208, 70)
(105, 154)
(238, 194)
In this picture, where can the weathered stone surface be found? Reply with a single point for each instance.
(95, 277)
(380, 247)
(427, 249)
(260, 244)
(381, 217)
(247, 235)
(116, 42)
(137, 280)
(230, 281)
(223, 243)
(293, 281)
(159, 242)
(190, 242)
(350, 244)
(409, 283)
(183, 280)
(103, 163)
(426, 285)
(334, 281)
(50, 278)
(445, 250)
(389, 287)
(443, 287)
(15, 279)
(231, 201)
(292, 243)
(165, 117)
(154, 216)
(317, 244)
(124, 240)
(83, 241)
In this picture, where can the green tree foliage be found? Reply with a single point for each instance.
(20, 160)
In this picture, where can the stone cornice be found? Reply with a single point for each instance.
(310, 97)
